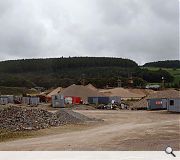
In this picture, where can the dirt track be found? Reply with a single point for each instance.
(121, 130)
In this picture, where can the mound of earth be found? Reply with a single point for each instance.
(81, 91)
(19, 118)
(124, 93)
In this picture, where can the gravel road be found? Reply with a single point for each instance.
(121, 130)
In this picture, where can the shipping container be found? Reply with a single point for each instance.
(77, 100)
(90, 100)
(157, 103)
(173, 105)
(58, 101)
(93, 100)
(103, 100)
(98, 100)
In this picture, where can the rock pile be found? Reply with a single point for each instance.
(19, 119)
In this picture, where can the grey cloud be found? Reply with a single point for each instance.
(136, 29)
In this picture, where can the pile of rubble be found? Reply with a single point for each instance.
(19, 119)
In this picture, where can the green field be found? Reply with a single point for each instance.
(174, 72)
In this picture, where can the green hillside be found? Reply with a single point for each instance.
(100, 71)
(175, 72)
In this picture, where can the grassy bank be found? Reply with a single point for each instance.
(174, 72)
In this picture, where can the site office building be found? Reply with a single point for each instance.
(157, 103)
(171, 104)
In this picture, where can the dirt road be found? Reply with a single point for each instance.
(121, 130)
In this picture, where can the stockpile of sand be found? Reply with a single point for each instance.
(90, 86)
(81, 91)
(169, 93)
(142, 91)
(55, 91)
(124, 93)
(139, 104)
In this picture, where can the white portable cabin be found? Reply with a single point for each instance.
(58, 101)
(34, 101)
(173, 105)
(30, 101)
(26, 100)
(3, 100)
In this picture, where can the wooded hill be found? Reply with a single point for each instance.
(164, 64)
(100, 71)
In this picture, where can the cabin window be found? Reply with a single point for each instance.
(171, 102)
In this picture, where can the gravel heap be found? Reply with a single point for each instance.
(19, 118)
(80, 116)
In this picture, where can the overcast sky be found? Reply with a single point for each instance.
(142, 30)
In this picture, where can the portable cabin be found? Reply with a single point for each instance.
(3, 100)
(103, 100)
(173, 105)
(98, 100)
(10, 98)
(93, 100)
(34, 101)
(58, 101)
(157, 103)
(26, 100)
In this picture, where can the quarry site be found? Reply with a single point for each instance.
(89, 75)
(85, 118)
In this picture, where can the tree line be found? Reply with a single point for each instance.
(164, 64)
(100, 71)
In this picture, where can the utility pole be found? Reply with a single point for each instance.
(83, 79)
(119, 83)
(130, 79)
(163, 83)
